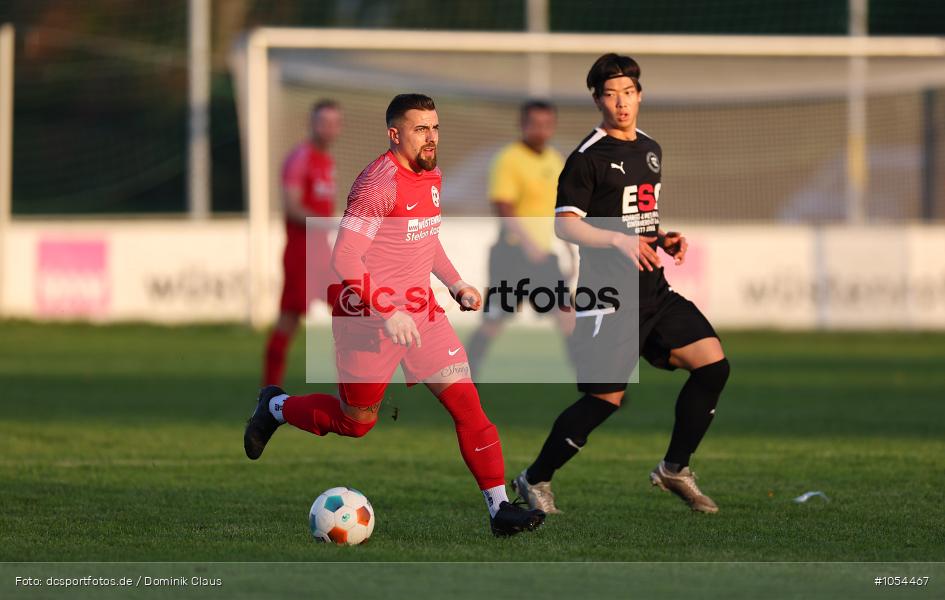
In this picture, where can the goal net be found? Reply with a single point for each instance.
(766, 129)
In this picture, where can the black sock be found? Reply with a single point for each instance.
(695, 409)
(568, 435)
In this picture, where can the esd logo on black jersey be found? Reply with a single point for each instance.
(639, 207)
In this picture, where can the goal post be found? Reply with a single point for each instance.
(693, 54)
(6, 146)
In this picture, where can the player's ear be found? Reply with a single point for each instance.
(394, 135)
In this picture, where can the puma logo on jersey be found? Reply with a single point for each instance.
(412, 206)
(618, 167)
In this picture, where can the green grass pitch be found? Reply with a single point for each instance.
(123, 443)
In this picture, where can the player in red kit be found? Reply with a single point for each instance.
(308, 190)
(385, 314)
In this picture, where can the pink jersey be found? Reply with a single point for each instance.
(311, 172)
(399, 211)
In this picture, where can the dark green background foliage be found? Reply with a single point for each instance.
(101, 86)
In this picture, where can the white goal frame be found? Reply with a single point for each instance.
(7, 45)
(535, 45)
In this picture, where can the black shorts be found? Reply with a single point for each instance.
(508, 263)
(607, 347)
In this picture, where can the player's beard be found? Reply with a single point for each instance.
(427, 164)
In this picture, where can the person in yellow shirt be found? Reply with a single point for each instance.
(523, 187)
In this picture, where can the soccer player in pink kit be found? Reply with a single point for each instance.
(385, 314)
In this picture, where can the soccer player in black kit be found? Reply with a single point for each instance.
(607, 204)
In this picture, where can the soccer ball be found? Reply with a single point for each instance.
(341, 515)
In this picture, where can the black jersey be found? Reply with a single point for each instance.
(615, 184)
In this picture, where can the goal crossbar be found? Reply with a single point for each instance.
(571, 43)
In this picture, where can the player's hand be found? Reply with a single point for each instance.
(676, 246)
(402, 329)
(467, 296)
(638, 250)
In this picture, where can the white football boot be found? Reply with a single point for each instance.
(683, 484)
(538, 495)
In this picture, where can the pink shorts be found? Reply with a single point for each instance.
(366, 358)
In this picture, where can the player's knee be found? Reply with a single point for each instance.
(615, 398)
(355, 428)
(713, 376)
(361, 400)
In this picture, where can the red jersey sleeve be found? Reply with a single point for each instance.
(372, 198)
(347, 259)
(442, 266)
